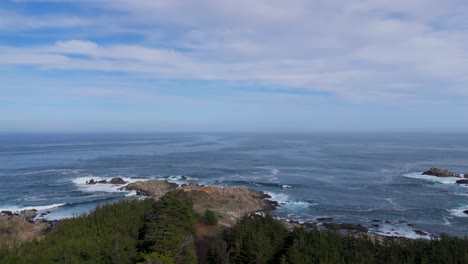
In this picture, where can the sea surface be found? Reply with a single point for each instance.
(353, 178)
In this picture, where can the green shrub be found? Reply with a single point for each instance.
(210, 217)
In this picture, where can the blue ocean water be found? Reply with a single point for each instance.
(353, 178)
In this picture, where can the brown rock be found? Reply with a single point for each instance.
(154, 188)
(439, 172)
(18, 228)
(117, 181)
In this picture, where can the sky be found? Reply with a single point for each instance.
(215, 65)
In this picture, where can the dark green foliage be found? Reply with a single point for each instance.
(145, 231)
(254, 240)
(170, 229)
(210, 217)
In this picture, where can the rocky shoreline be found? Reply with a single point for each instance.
(230, 204)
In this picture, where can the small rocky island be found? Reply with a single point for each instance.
(437, 172)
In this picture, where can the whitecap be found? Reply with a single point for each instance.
(399, 231)
(459, 212)
(430, 178)
(33, 207)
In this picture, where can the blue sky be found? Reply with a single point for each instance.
(210, 65)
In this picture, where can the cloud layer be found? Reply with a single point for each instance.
(354, 49)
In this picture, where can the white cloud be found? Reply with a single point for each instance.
(351, 48)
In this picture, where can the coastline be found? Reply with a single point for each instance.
(230, 203)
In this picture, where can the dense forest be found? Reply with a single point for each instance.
(135, 231)
(164, 231)
(263, 239)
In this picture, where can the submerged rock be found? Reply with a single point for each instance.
(440, 173)
(466, 211)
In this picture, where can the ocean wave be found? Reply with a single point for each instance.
(260, 184)
(459, 212)
(32, 207)
(399, 231)
(62, 171)
(285, 200)
(435, 179)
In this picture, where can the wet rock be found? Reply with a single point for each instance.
(466, 211)
(375, 225)
(325, 219)
(465, 175)
(376, 220)
(102, 181)
(464, 181)
(440, 172)
(345, 226)
(117, 181)
(421, 233)
(8, 213)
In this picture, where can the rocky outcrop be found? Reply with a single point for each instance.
(421, 233)
(440, 173)
(230, 203)
(325, 219)
(117, 180)
(154, 188)
(18, 228)
(464, 181)
(345, 226)
(466, 211)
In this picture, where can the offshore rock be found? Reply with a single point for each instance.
(440, 173)
(464, 181)
(117, 181)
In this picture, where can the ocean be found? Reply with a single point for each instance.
(361, 178)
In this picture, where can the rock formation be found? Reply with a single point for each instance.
(154, 188)
(18, 228)
(464, 181)
(440, 173)
(112, 181)
(230, 203)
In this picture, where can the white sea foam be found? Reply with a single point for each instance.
(286, 186)
(38, 207)
(285, 200)
(399, 231)
(446, 222)
(430, 178)
(390, 200)
(459, 212)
